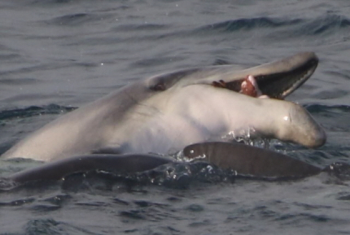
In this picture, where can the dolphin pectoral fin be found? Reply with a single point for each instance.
(250, 161)
(57, 170)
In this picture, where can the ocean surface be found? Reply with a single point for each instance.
(56, 55)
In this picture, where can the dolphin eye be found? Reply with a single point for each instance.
(160, 86)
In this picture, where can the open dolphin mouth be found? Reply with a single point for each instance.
(280, 78)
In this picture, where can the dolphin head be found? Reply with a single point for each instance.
(198, 99)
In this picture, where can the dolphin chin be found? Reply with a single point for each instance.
(165, 113)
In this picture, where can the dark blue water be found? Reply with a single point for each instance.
(57, 55)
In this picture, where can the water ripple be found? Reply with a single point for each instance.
(313, 26)
(34, 111)
(250, 24)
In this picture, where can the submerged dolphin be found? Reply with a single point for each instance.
(247, 161)
(244, 159)
(165, 113)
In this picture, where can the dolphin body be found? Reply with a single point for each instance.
(167, 112)
(248, 162)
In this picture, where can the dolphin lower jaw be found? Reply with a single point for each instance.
(311, 139)
(273, 118)
(299, 127)
(262, 118)
(204, 119)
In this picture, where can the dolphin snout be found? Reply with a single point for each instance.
(318, 139)
(299, 127)
(313, 137)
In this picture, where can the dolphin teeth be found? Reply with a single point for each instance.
(298, 82)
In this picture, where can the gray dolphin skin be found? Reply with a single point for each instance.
(247, 161)
(165, 113)
(250, 161)
(57, 170)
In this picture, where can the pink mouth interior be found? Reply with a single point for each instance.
(250, 87)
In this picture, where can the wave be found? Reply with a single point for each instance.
(249, 24)
(34, 111)
(137, 27)
(325, 24)
(316, 108)
(77, 19)
(304, 26)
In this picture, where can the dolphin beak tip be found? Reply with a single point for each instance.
(318, 139)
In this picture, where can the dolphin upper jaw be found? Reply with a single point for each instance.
(280, 78)
(276, 79)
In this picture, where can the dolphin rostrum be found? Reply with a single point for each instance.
(167, 112)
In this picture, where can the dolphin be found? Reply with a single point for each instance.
(247, 161)
(165, 113)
